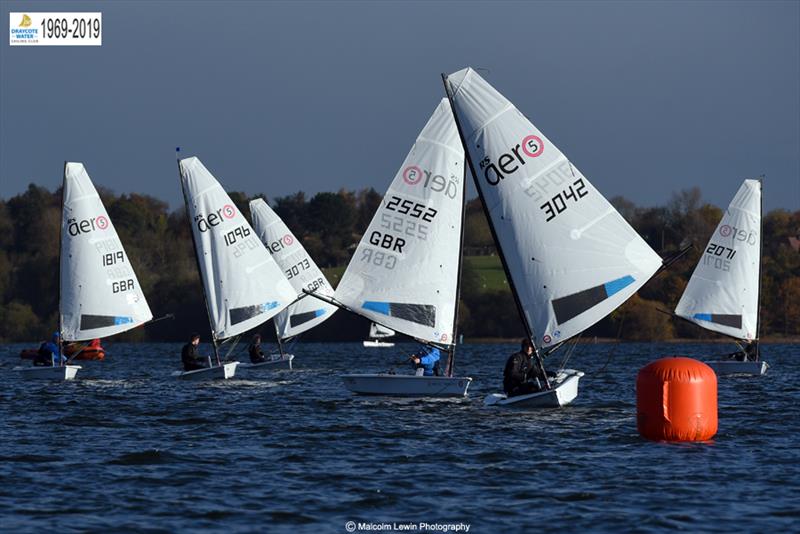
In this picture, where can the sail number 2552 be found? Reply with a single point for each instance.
(558, 204)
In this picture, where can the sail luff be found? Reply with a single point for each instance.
(61, 270)
(452, 360)
(760, 259)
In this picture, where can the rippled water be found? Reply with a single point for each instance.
(127, 447)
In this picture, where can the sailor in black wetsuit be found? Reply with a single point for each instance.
(520, 376)
(189, 356)
(748, 353)
(256, 354)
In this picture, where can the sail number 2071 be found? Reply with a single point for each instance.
(558, 204)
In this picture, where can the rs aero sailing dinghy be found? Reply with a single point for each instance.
(569, 256)
(242, 284)
(376, 334)
(99, 294)
(405, 273)
(302, 273)
(723, 294)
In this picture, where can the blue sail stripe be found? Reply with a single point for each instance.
(615, 286)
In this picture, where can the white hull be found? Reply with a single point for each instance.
(378, 344)
(276, 361)
(564, 391)
(218, 372)
(407, 385)
(65, 372)
(733, 367)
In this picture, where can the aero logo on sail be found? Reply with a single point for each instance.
(412, 175)
(508, 163)
(87, 225)
(204, 223)
(280, 244)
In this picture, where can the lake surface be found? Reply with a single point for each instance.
(126, 447)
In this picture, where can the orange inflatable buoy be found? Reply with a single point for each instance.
(676, 400)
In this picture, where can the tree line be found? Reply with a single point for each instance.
(330, 225)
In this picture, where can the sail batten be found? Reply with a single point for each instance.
(244, 287)
(404, 272)
(722, 294)
(571, 257)
(299, 267)
(100, 294)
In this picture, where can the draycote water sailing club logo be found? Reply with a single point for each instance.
(204, 224)
(531, 146)
(21, 31)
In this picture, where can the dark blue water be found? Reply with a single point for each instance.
(127, 447)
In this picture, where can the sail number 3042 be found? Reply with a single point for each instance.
(558, 204)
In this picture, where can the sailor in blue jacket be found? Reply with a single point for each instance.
(49, 352)
(427, 358)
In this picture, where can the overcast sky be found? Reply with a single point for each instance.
(647, 98)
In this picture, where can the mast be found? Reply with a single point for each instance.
(451, 362)
(278, 337)
(520, 311)
(197, 261)
(760, 251)
(60, 270)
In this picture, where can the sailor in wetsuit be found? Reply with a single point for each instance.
(520, 376)
(189, 356)
(256, 354)
(748, 353)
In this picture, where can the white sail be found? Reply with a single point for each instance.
(404, 272)
(572, 257)
(299, 268)
(243, 285)
(100, 294)
(377, 331)
(722, 294)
